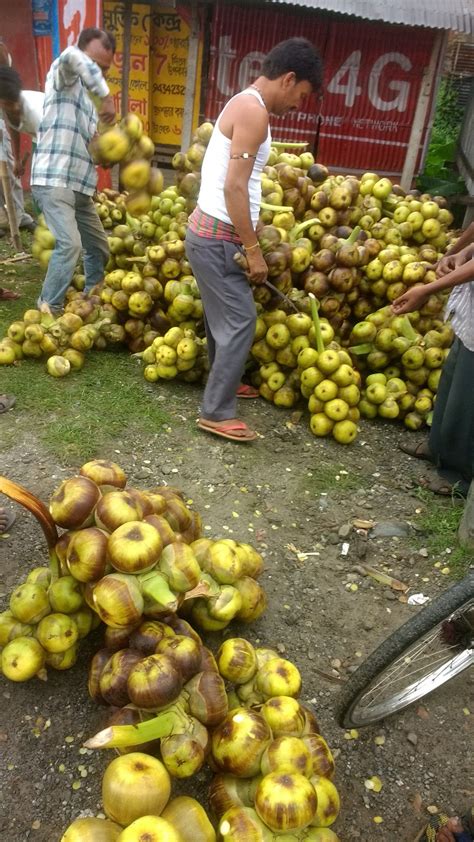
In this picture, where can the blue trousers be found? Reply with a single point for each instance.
(74, 221)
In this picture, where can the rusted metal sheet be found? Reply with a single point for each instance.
(372, 79)
(457, 15)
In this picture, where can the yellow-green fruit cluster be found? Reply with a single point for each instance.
(274, 772)
(332, 385)
(179, 353)
(406, 366)
(279, 338)
(43, 625)
(188, 165)
(128, 554)
(64, 340)
(274, 768)
(43, 242)
(136, 791)
(152, 541)
(126, 143)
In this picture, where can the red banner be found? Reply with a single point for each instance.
(372, 78)
(75, 15)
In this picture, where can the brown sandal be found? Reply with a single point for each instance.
(418, 451)
(8, 294)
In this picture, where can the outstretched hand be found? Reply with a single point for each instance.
(413, 299)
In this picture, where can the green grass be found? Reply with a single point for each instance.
(78, 416)
(440, 522)
(332, 477)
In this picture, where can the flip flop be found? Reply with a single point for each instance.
(8, 294)
(6, 402)
(225, 431)
(8, 520)
(418, 451)
(245, 391)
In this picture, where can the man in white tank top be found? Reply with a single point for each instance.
(225, 221)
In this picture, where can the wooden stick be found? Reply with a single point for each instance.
(23, 256)
(11, 212)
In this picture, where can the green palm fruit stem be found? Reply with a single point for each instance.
(132, 222)
(276, 208)
(291, 144)
(38, 509)
(302, 227)
(408, 330)
(172, 720)
(361, 350)
(317, 324)
(157, 592)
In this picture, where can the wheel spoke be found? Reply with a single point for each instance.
(425, 664)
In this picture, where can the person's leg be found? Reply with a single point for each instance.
(24, 219)
(451, 438)
(230, 315)
(58, 207)
(94, 240)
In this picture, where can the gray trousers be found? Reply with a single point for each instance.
(451, 440)
(229, 320)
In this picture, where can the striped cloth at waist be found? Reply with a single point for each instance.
(211, 228)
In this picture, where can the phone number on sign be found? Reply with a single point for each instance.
(173, 90)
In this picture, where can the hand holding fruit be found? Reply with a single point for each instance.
(413, 299)
(258, 269)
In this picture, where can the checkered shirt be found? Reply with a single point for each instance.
(69, 123)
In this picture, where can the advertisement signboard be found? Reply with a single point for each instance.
(139, 70)
(372, 78)
(169, 59)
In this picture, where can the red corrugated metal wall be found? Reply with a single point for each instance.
(372, 79)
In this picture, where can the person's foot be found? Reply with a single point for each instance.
(7, 519)
(419, 450)
(8, 294)
(49, 311)
(438, 485)
(231, 428)
(446, 833)
(6, 402)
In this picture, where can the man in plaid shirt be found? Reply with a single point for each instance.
(63, 176)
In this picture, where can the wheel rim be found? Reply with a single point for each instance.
(423, 667)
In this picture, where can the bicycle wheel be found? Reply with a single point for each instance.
(428, 650)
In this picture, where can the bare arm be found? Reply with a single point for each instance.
(248, 130)
(417, 296)
(462, 250)
(73, 62)
(466, 239)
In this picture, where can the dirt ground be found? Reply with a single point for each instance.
(287, 489)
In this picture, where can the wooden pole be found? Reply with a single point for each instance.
(193, 50)
(429, 76)
(127, 34)
(10, 205)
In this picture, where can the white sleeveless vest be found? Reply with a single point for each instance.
(211, 198)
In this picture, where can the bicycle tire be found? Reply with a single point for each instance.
(394, 646)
